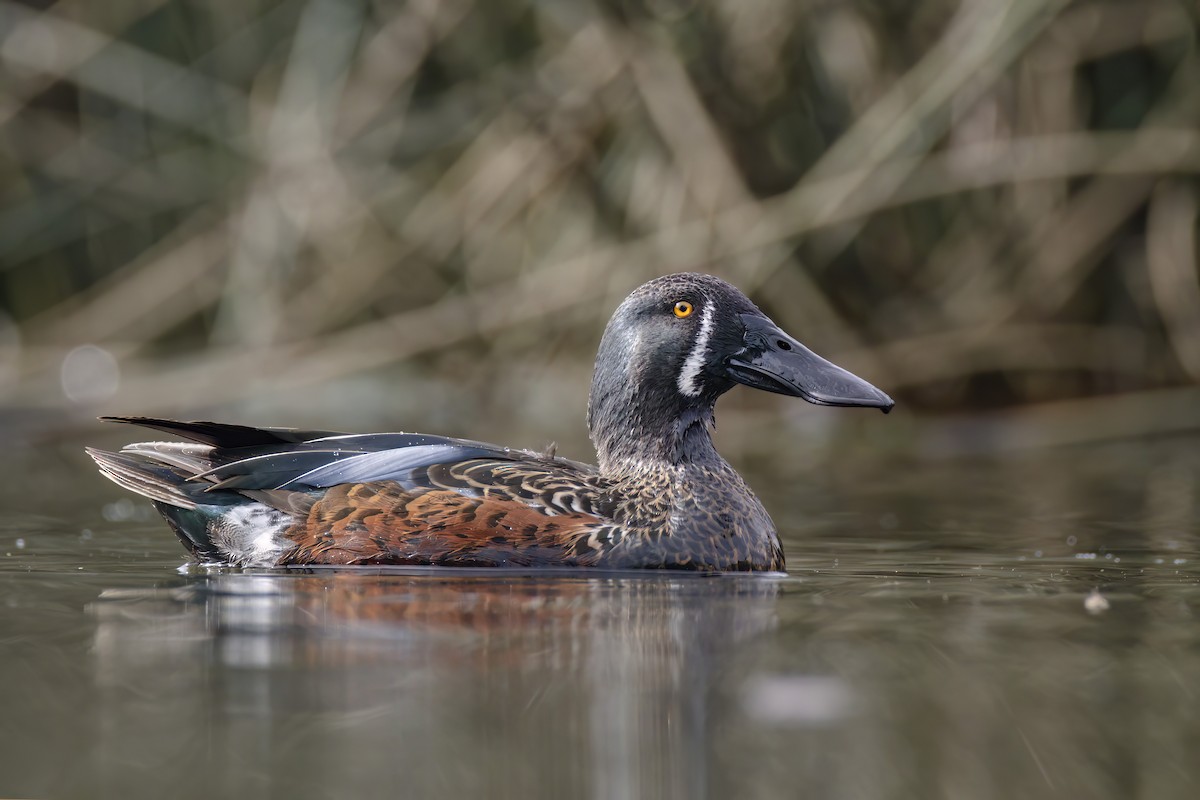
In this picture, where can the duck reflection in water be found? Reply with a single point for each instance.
(610, 680)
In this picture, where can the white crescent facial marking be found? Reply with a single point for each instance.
(689, 376)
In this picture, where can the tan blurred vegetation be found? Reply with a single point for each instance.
(981, 206)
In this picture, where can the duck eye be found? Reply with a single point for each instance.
(683, 309)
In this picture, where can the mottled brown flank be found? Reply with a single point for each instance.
(382, 523)
(514, 513)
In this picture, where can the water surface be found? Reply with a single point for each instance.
(930, 640)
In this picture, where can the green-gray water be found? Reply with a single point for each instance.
(930, 640)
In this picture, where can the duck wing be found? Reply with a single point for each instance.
(384, 498)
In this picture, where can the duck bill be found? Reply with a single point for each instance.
(775, 362)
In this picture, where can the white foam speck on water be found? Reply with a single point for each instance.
(797, 700)
(1096, 603)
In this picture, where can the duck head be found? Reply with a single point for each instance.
(679, 342)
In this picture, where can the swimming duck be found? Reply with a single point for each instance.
(660, 496)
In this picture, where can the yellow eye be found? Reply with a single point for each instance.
(683, 309)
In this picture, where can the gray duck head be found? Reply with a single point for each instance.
(674, 346)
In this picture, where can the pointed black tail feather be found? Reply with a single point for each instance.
(186, 506)
(220, 434)
(158, 481)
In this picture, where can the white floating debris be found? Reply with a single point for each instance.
(799, 700)
(1095, 603)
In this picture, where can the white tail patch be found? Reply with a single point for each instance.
(252, 535)
(689, 376)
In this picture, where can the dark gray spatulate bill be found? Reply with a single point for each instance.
(774, 361)
(660, 496)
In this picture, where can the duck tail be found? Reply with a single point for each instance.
(230, 527)
(183, 502)
(160, 482)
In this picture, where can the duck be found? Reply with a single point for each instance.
(659, 496)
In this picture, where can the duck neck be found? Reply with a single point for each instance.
(637, 427)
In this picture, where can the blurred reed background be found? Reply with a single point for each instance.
(366, 213)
